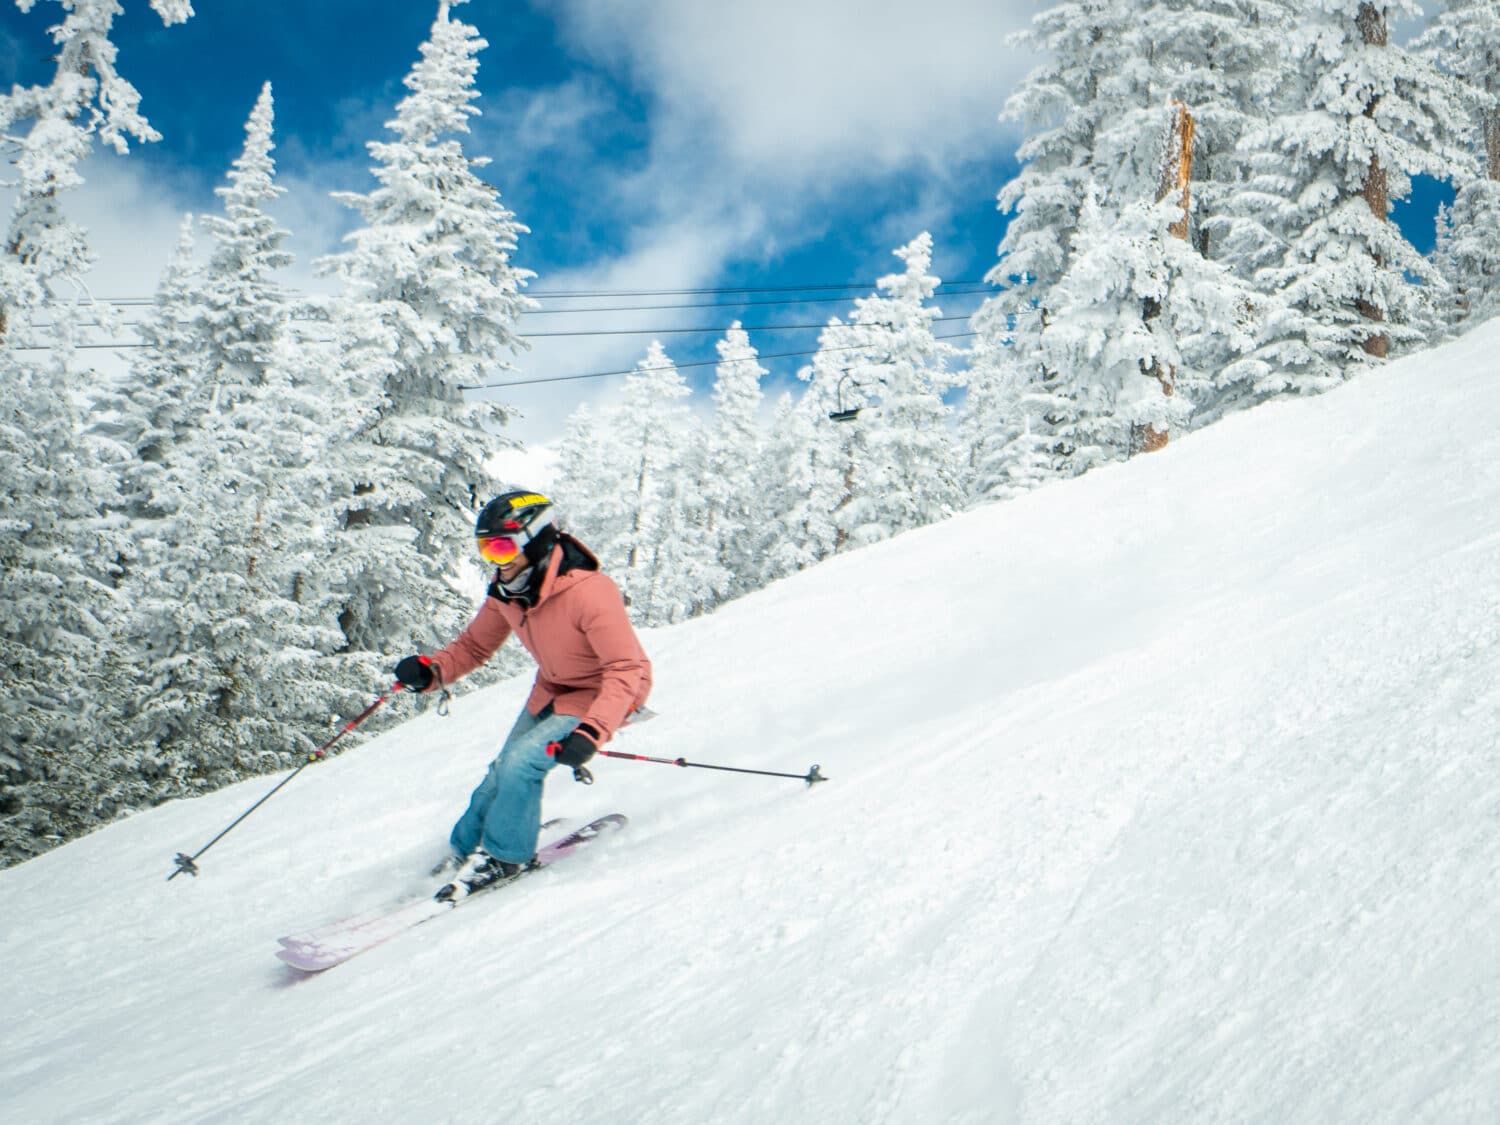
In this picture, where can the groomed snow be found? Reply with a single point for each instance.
(1167, 794)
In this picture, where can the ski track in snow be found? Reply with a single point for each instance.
(1170, 795)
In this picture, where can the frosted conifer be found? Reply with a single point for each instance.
(432, 264)
(646, 443)
(157, 402)
(732, 486)
(904, 473)
(60, 769)
(1356, 115)
(805, 463)
(1464, 40)
(245, 307)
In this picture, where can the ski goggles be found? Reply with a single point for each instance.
(499, 549)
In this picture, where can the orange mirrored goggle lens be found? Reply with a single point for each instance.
(499, 549)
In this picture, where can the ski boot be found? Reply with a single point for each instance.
(480, 870)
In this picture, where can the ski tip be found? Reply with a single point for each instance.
(288, 957)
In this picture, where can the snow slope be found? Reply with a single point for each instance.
(1166, 794)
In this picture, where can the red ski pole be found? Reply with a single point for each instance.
(185, 862)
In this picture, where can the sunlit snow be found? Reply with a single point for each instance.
(1170, 793)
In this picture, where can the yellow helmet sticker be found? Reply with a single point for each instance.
(528, 501)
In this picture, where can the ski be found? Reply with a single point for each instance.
(333, 944)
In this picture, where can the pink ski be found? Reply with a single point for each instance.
(327, 946)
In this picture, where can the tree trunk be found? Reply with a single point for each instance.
(1177, 165)
(840, 536)
(359, 517)
(1372, 27)
(1491, 147)
(260, 505)
(1176, 176)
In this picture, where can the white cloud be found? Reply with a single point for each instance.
(763, 117)
(133, 211)
(795, 89)
(546, 120)
(682, 254)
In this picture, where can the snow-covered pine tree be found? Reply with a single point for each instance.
(1107, 351)
(805, 471)
(245, 307)
(1193, 85)
(733, 472)
(1027, 464)
(1355, 116)
(906, 473)
(590, 483)
(1101, 104)
(61, 769)
(840, 449)
(1140, 315)
(1464, 40)
(1210, 56)
(646, 442)
(992, 416)
(237, 593)
(234, 617)
(1064, 103)
(433, 262)
(687, 578)
(155, 405)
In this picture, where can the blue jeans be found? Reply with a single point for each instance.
(505, 812)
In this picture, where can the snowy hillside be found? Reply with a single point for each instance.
(1171, 793)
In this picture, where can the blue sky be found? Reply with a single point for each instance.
(649, 144)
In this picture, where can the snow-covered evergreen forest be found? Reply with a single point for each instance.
(209, 558)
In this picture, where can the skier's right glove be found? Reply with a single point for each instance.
(577, 748)
(415, 673)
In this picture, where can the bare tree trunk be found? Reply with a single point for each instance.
(260, 507)
(1376, 190)
(1177, 165)
(840, 536)
(1176, 176)
(1492, 144)
(359, 517)
(638, 528)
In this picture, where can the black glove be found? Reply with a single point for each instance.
(577, 748)
(415, 673)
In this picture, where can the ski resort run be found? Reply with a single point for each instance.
(1170, 793)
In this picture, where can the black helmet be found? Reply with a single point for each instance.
(523, 516)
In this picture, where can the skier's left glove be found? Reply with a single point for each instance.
(415, 673)
(578, 747)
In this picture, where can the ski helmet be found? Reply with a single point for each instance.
(523, 517)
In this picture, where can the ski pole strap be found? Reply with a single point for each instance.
(445, 696)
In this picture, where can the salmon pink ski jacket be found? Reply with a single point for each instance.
(589, 661)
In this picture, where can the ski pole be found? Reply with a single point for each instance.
(186, 862)
(812, 776)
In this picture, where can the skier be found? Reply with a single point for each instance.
(592, 673)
